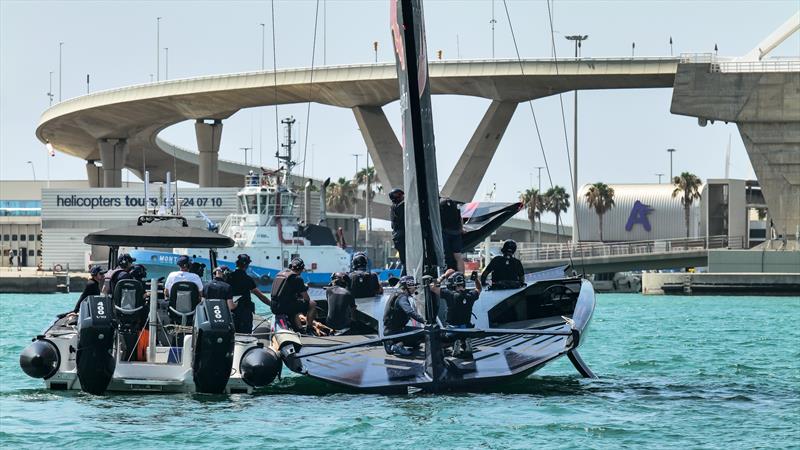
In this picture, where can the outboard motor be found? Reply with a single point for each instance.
(288, 343)
(96, 333)
(41, 359)
(213, 343)
(260, 366)
(131, 314)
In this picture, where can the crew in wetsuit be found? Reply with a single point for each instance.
(290, 297)
(242, 286)
(362, 282)
(506, 271)
(398, 312)
(121, 272)
(460, 301)
(219, 289)
(341, 303)
(92, 286)
(397, 217)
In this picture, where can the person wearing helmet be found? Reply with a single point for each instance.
(139, 273)
(290, 297)
(182, 274)
(341, 303)
(459, 301)
(121, 272)
(506, 270)
(399, 310)
(363, 283)
(218, 288)
(397, 217)
(452, 231)
(242, 286)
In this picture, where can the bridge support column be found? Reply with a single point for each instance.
(209, 136)
(113, 153)
(382, 144)
(471, 167)
(93, 174)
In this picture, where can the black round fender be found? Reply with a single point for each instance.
(41, 359)
(260, 366)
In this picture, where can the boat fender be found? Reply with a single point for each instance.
(41, 359)
(212, 346)
(94, 359)
(260, 366)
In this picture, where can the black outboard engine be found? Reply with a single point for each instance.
(213, 343)
(41, 359)
(96, 332)
(260, 366)
(131, 314)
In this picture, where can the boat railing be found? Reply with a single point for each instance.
(529, 252)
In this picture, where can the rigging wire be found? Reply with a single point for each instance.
(530, 102)
(572, 181)
(275, 79)
(310, 85)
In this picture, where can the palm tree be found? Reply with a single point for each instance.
(341, 195)
(601, 198)
(532, 201)
(558, 202)
(689, 185)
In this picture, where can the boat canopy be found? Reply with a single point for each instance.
(159, 234)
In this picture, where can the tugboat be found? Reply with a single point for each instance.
(136, 339)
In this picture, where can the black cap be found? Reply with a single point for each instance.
(97, 270)
(243, 259)
(184, 261)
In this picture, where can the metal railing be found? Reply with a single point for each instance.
(729, 65)
(530, 253)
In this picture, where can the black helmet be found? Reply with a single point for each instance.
(340, 279)
(395, 194)
(407, 281)
(125, 260)
(243, 260)
(184, 261)
(139, 272)
(456, 279)
(509, 247)
(297, 264)
(359, 261)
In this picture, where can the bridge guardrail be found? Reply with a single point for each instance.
(729, 65)
(547, 252)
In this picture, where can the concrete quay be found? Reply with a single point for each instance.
(31, 281)
(784, 284)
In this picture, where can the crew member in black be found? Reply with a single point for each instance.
(398, 312)
(459, 301)
(341, 303)
(242, 286)
(398, 219)
(290, 297)
(506, 271)
(362, 282)
(219, 289)
(121, 272)
(92, 286)
(139, 273)
(452, 229)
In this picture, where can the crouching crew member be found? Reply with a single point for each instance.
(341, 303)
(506, 270)
(399, 310)
(290, 297)
(460, 301)
(242, 286)
(362, 282)
(219, 289)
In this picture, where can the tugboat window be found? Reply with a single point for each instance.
(252, 206)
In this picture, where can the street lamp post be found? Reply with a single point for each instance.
(158, 48)
(375, 49)
(368, 212)
(355, 232)
(578, 39)
(492, 22)
(33, 169)
(246, 149)
(60, 44)
(50, 91)
(659, 175)
(539, 231)
(671, 151)
(166, 63)
(263, 28)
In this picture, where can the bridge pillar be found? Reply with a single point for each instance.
(93, 174)
(113, 153)
(382, 144)
(471, 167)
(209, 136)
(766, 108)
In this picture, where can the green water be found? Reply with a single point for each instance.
(675, 372)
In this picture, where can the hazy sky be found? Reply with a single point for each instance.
(623, 133)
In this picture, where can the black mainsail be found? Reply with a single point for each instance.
(423, 227)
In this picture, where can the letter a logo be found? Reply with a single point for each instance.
(638, 215)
